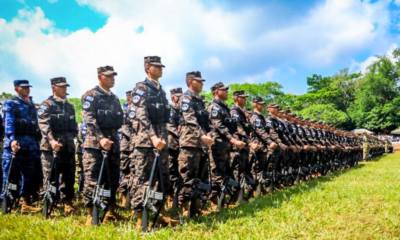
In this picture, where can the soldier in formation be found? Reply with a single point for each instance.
(184, 153)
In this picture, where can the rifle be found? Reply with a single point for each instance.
(228, 184)
(151, 195)
(100, 192)
(52, 192)
(11, 189)
(177, 186)
(128, 194)
(199, 188)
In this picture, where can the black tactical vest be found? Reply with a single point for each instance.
(62, 116)
(158, 108)
(109, 112)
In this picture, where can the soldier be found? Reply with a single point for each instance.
(126, 135)
(240, 157)
(195, 135)
(103, 115)
(21, 137)
(58, 126)
(220, 151)
(1, 142)
(291, 152)
(152, 115)
(79, 158)
(173, 144)
(279, 155)
(265, 145)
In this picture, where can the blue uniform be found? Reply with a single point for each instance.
(21, 124)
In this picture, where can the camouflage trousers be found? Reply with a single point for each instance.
(65, 169)
(239, 165)
(144, 159)
(189, 164)
(125, 172)
(92, 159)
(220, 164)
(79, 166)
(173, 169)
(258, 164)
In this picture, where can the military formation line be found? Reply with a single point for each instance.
(155, 156)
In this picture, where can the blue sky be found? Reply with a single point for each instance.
(228, 41)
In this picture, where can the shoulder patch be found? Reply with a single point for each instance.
(40, 112)
(44, 107)
(86, 105)
(185, 100)
(132, 114)
(136, 98)
(139, 92)
(215, 108)
(214, 113)
(236, 115)
(89, 98)
(258, 122)
(185, 107)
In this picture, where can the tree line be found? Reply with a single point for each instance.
(347, 100)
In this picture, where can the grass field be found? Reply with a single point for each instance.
(361, 203)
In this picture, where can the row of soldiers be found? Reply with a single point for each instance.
(186, 152)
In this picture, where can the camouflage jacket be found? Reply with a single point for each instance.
(260, 134)
(103, 115)
(195, 120)
(172, 127)
(219, 114)
(142, 97)
(57, 122)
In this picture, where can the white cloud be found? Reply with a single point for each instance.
(212, 62)
(224, 45)
(362, 66)
(266, 76)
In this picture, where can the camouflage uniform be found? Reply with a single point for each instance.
(103, 115)
(194, 125)
(57, 122)
(125, 148)
(79, 153)
(243, 134)
(221, 149)
(173, 142)
(152, 115)
(260, 137)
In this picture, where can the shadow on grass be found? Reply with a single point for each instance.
(275, 200)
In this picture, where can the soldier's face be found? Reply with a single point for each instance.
(242, 101)
(222, 94)
(60, 91)
(23, 91)
(155, 71)
(197, 86)
(107, 81)
(129, 100)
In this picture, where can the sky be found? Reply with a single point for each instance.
(284, 41)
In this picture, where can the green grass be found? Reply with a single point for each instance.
(361, 203)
